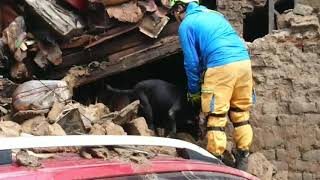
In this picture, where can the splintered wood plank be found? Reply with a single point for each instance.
(162, 48)
(66, 23)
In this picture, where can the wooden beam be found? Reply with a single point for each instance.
(162, 48)
(271, 15)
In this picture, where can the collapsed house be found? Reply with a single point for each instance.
(285, 65)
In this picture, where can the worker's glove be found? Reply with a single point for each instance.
(194, 98)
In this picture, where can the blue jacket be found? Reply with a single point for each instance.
(207, 40)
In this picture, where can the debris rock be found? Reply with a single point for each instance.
(9, 129)
(56, 130)
(302, 9)
(55, 112)
(16, 33)
(97, 129)
(259, 166)
(49, 53)
(72, 123)
(113, 129)
(101, 152)
(121, 117)
(20, 72)
(126, 12)
(83, 116)
(24, 159)
(55, 150)
(38, 126)
(138, 127)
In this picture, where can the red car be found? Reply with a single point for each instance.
(202, 165)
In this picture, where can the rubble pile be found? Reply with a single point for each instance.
(45, 108)
(43, 37)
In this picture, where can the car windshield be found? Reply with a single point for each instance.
(184, 175)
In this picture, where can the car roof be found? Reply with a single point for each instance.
(65, 166)
(71, 166)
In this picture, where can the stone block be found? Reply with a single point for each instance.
(299, 107)
(302, 9)
(287, 120)
(281, 175)
(280, 165)
(307, 133)
(287, 155)
(272, 137)
(138, 127)
(270, 108)
(307, 176)
(312, 155)
(311, 119)
(269, 154)
(304, 166)
(295, 176)
(259, 120)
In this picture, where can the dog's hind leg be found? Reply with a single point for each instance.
(172, 113)
(146, 110)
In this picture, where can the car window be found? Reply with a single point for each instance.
(185, 175)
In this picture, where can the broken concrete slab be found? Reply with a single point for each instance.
(9, 129)
(126, 12)
(138, 127)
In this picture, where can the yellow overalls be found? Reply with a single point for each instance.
(227, 90)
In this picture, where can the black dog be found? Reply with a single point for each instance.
(163, 105)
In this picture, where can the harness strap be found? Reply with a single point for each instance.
(241, 123)
(235, 109)
(216, 129)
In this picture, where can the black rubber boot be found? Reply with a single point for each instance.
(242, 159)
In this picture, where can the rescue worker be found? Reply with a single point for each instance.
(218, 70)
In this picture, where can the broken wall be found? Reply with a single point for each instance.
(235, 10)
(286, 118)
(312, 3)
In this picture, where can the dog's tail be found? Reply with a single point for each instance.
(119, 91)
